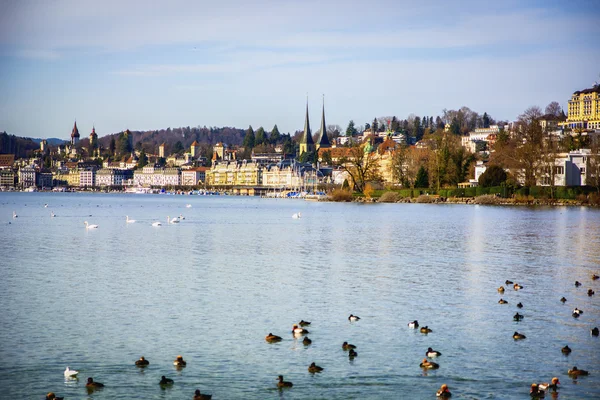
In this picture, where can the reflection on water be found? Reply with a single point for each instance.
(211, 288)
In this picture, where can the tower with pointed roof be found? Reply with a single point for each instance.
(306, 144)
(75, 135)
(161, 150)
(194, 149)
(93, 138)
(323, 142)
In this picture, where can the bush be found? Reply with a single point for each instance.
(389, 197)
(493, 176)
(405, 193)
(340, 195)
(487, 199)
(425, 199)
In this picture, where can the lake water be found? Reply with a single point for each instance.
(237, 268)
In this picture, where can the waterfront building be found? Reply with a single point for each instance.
(193, 176)
(112, 177)
(44, 179)
(584, 109)
(87, 177)
(7, 160)
(75, 135)
(7, 177)
(27, 176)
(306, 143)
(161, 150)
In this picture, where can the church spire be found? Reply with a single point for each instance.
(323, 139)
(306, 144)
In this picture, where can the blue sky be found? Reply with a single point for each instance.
(139, 65)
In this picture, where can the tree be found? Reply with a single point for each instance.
(529, 138)
(422, 180)
(113, 145)
(143, 160)
(361, 165)
(249, 138)
(486, 120)
(553, 109)
(259, 137)
(375, 125)
(275, 135)
(494, 175)
(351, 130)
(593, 166)
(400, 165)
(439, 124)
(455, 126)
(178, 148)
(417, 129)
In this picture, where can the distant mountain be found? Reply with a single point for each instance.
(51, 141)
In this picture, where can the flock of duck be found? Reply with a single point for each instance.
(164, 382)
(538, 390)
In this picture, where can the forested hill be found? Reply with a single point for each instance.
(19, 146)
(150, 140)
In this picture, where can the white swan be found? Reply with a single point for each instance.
(15, 214)
(297, 215)
(70, 373)
(172, 221)
(156, 223)
(129, 221)
(188, 206)
(88, 226)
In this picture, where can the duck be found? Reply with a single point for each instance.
(88, 226)
(353, 318)
(566, 350)
(519, 336)
(129, 221)
(46, 205)
(52, 396)
(312, 368)
(306, 341)
(595, 277)
(577, 312)
(282, 383)
(70, 373)
(518, 317)
(577, 283)
(181, 217)
(520, 305)
(304, 323)
(591, 292)
(200, 396)
(52, 215)
(166, 381)
(272, 338)
(577, 372)
(516, 286)
(156, 223)
(297, 215)
(502, 301)
(443, 392)
(142, 362)
(501, 289)
(414, 324)
(535, 391)
(594, 331)
(179, 362)
(296, 330)
(563, 300)
(93, 385)
(352, 354)
(507, 282)
(425, 329)
(432, 353)
(15, 214)
(428, 364)
(172, 221)
(348, 346)
(552, 385)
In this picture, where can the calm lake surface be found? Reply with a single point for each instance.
(237, 268)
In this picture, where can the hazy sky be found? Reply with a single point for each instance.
(150, 65)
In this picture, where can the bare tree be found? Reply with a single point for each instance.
(361, 164)
(553, 109)
(593, 166)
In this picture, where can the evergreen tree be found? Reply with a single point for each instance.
(112, 146)
(260, 137)
(375, 125)
(418, 129)
(143, 161)
(493, 176)
(275, 135)
(351, 130)
(249, 138)
(455, 126)
(486, 120)
(395, 125)
(422, 179)
(439, 124)
(178, 147)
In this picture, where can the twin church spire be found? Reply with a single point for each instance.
(307, 144)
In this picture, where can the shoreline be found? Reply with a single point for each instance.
(474, 201)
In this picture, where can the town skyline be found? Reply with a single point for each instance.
(140, 67)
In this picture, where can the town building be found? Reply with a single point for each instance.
(27, 176)
(87, 177)
(306, 142)
(75, 135)
(7, 178)
(584, 109)
(193, 176)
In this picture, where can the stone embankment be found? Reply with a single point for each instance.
(482, 200)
